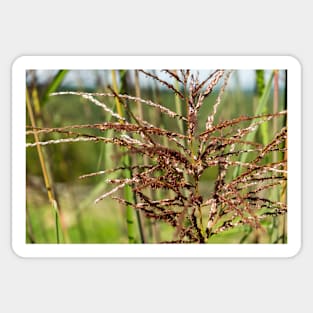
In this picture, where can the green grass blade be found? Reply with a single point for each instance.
(43, 164)
(260, 82)
(34, 109)
(261, 109)
(55, 83)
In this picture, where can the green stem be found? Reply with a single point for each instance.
(43, 166)
(128, 193)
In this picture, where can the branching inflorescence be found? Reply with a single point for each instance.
(174, 167)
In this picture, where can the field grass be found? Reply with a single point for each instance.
(87, 222)
(82, 220)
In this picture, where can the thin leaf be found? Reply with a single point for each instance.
(53, 86)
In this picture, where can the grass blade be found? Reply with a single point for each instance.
(261, 109)
(44, 168)
(56, 82)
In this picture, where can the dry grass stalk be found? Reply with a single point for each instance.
(177, 168)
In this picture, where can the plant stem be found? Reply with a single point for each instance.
(43, 168)
(129, 195)
(29, 227)
(144, 157)
(178, 106)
